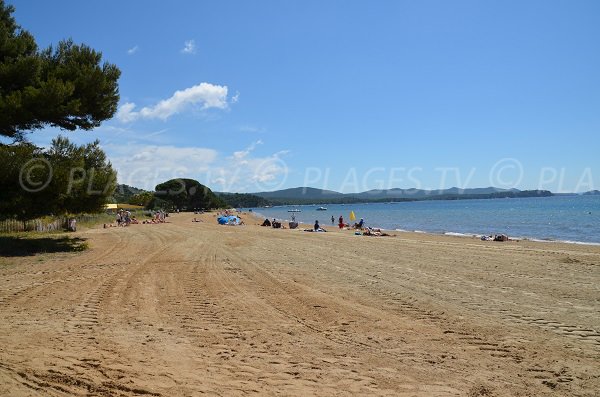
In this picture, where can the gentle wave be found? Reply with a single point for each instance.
(461, 234)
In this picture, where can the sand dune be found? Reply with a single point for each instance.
(188, 309)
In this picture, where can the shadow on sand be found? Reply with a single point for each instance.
(20, 245)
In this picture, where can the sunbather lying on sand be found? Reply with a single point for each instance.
(376, 232)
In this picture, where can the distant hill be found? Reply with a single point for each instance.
(592, 193)
(123, 193)
(243, 200)
(419, 193)
(307, 195)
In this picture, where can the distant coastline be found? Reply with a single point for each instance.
(314, 196)
(307, 196)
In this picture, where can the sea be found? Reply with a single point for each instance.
(572, 218)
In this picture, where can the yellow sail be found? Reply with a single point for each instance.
(352, 216)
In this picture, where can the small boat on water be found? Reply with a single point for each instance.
(295, 210)
(322, 209)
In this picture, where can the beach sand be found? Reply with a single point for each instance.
(190, 309)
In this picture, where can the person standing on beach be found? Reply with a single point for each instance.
(341, 224)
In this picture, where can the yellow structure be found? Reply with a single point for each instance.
(116, 207)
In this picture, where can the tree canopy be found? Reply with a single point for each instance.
(142, 199)
(185, 194)
(243, 200)
(65, 87)
(64, 179)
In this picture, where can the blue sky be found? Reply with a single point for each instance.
(343, 95)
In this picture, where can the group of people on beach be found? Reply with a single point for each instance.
(124, 218)
(496, 237)
(275, 224)
(359, 227)
(341, 224)
(158, 217)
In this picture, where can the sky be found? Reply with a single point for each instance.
(249, 96)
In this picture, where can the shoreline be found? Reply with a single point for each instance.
(260, 216)
(512, 238)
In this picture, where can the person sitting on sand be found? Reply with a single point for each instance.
(293, 224)
(500, 237)
(267, 222)
(316, 227)
(127, 218)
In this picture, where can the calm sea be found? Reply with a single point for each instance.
(560, 218)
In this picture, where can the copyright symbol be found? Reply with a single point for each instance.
(35, 175)
(506, 173)
(266, 175)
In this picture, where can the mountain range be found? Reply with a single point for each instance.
(308, 195)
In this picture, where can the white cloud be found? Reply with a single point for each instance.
(152, 164)
(240, 155)
(189, 47)
(133, 50)
(126, 114)
(204, 95)
(239, 171)
(245, 173)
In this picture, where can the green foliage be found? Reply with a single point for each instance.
(124, 193)
(243, 200)
(64, 179)
(158, 203)
(142, 199)
(185, 194)
(65, 87)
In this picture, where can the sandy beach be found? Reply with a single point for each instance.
(190, 309)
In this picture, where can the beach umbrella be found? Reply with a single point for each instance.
(352, 216)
